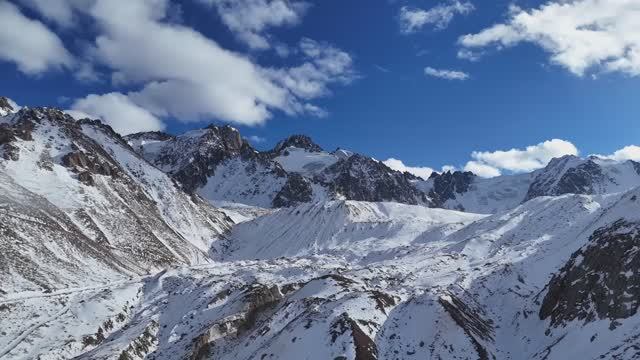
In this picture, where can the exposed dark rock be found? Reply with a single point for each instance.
(383, 300)
(192, 159)
(298, 141)
(636, 166)
(150, 135)
(86, 165)
(4, 104)
(600, 281)
(365, 179)
(448, 184)
(563, 176)
(365, 347)
(471, 320)
(7, 149)
(296, 190)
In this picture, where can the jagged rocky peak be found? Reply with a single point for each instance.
(230, 137)
(297, 141)
(150, 135)
(573, 175)
(364, 179)
(6, 106)
(448, 184)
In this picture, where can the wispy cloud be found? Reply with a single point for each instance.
(250, 20)
(579, 35)
(413, 19)
(381, 68)
(446, 74)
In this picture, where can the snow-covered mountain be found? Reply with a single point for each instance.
(108, 250)
(78, 205)
(217, 163)
(554, 278)
(566, 175)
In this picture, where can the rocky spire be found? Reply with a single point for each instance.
(298, 141)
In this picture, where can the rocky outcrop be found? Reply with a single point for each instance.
(86, 165)
(448, 184)
(365, 179)
(296, 190)
(600, 281)
(566, 175)
(133, 219)
(297, 141)
(365, 348)
(5, 106)
(472, 320)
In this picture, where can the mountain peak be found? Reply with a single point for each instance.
(7, 106)
(297, 141)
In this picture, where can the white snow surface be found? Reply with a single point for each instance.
(317, 281)
(305, 162)
(125, 269)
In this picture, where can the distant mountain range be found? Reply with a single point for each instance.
(198, 246)
(220, 165)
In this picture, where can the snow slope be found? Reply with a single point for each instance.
(77, 201)
(353, 281)
(350, 229)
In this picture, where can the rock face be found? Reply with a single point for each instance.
(365, 179)
(297, 141)
(75, 193)
(600, 281)
(296, 190)
(217, 163)
(448, 184)
(5, 106)
(566, 175)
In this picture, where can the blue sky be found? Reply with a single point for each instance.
(386, 78)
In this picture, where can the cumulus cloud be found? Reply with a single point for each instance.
(631, 152)
(250, 19)
(482, 170)
(116, 110)
(196, 78)
(489, 164)
(413, 19)
(398, 165)
(446, 74)
(29, 43)
(579, 35)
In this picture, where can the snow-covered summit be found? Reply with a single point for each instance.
(297, 141)
(7, 106)
(81, 201)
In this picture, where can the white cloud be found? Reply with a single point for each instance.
(446, 74)
(482, 170)
(631, 152)
(30, 44)
(520, 160)
(324, 65)
(414, 19)
(579, 35)
(197, 79)
(250, 19)
(116, 110)
(60, 12)
(398, 165)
